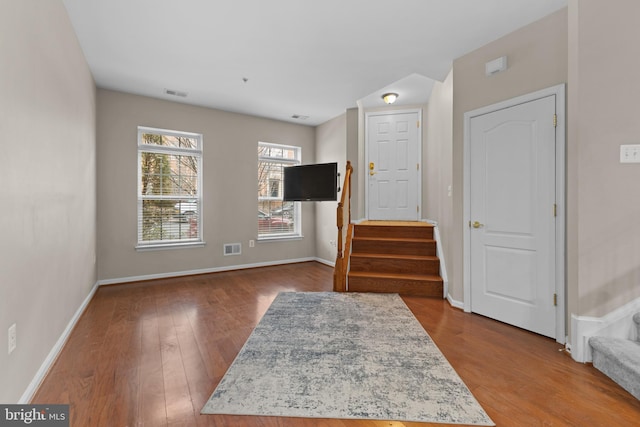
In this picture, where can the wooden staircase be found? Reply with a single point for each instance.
(398, 257)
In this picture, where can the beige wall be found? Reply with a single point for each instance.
(537, 59)
(604, 195)
(47, 183)
(331, 146)
(352, 155)
(437, 175)
(230, 186)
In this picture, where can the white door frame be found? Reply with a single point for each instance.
(559, 92)
(365, 170)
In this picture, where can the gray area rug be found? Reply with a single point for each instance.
(343, 355)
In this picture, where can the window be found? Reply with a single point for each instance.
(169, 188)
(276, 219)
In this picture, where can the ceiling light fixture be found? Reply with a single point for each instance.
(390, 97)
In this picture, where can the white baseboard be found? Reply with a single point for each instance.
(55, 351)
(440, 255)
(617, 324)
(331, 264)
(455, 303)
(204, 271)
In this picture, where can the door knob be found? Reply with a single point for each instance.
(476, 224)
(372, 166)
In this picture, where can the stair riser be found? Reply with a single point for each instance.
(394, 247)
(391, 265)
(399, 232)
(403, 287)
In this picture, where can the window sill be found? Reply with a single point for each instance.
(288, 237)
(169, 246)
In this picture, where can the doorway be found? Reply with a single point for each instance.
(393, 165)
(514, 207)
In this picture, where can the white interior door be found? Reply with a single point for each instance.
(512, 215)
(393, 166)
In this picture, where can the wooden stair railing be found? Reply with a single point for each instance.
(344, 235)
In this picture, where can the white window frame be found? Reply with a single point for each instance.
(197, 241)
(296, 233)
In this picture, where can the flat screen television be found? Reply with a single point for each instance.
(317, 182)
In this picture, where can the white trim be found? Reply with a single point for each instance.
(55, 351)
(455, 303)
(296, 148)
(170, 132)
(201, 271)
(361, 171)
(417, 111)
(168, 246)
(559, 93)
(331, 264)
(295, 234)
(198, 154)
(440, 255)
(275, 238)
(617, 324)
(561, 221)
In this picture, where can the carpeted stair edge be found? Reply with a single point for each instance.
(619, 359)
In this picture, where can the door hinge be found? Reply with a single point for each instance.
(555, 299)
(418, 124)
(417, 166)
(555, 120)
(417, 208)
(555, 210)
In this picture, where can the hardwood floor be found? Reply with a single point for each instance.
(151, 353)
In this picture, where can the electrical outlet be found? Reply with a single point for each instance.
(252, 243)
(12, 338)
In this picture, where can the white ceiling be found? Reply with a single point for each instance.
(300, 57)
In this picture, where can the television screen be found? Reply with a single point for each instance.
(317, 182)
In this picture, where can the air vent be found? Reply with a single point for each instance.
(299, 117)
(232, 249)
(175, 93)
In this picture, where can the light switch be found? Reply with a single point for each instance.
(630, 154)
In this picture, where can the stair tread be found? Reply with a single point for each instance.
(400, 259)
(615, 346)
(393, 239)
(619, 359)
(394, 256)
(370, 274)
